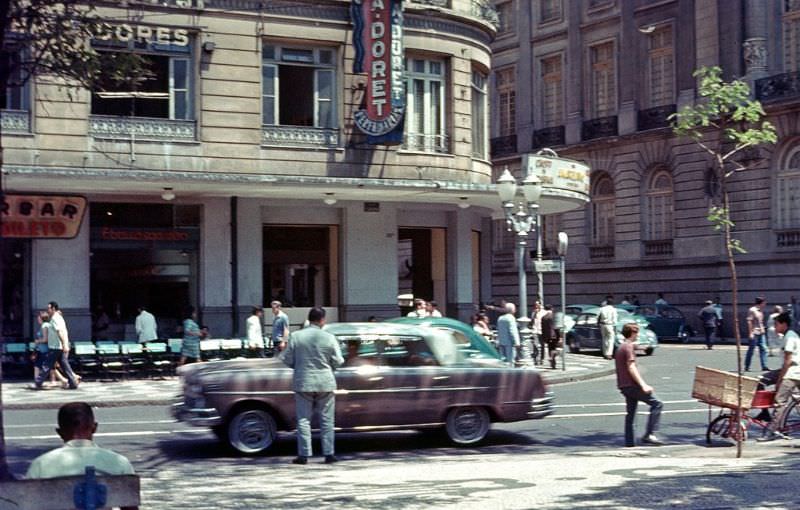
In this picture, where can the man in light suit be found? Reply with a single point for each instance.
(314, 354)
(508, 333)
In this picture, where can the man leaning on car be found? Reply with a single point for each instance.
(314, 354)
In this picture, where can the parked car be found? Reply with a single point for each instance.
(585, 334)
(667, 321)
(471, 343)
(396, 376)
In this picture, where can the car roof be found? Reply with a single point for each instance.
(375, 328)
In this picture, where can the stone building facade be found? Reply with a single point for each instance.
(236, 176)
(596, 80)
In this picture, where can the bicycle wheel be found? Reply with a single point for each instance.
(791, 421)
(722, 427)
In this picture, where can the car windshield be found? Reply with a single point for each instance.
(440, 348)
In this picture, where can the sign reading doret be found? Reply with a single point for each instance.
(44, 216)
(378, 41)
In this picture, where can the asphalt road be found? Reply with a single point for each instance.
(182, 466)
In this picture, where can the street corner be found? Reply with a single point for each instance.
(20, 395)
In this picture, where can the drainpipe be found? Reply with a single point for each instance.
(234, 267)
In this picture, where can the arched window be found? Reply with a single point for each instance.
(787, 210)
(659, 223)
(602, 207)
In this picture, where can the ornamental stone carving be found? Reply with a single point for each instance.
(755, 55)
(140, 128)
(300, 136)
(15, 121)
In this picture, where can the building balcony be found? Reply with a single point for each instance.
(300, 136)
(778, 87)
(15, 121)
(788, 238)
(654, 118)
(658, 248)
(426, 143)
(548, 137)
(601, 252)
(142, 128)
(599, 128)
(503, 145)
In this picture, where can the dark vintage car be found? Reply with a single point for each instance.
(469, 341)
(395, 376)
(667, 321)
(585, 334)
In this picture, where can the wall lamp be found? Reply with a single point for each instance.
(168, 194)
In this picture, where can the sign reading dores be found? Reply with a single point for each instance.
(125, 32)
(42, 216)
(378, 41)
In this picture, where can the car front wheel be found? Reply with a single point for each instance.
(252, 431)
(574, 345)
(649, 351)
(467, 425)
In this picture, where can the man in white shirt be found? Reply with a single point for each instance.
(420, 309)
(255, 331)
(789, 376)
(146, 328)
(607, 319)
(432, 308)
(60, 325)
(661, 301)
(76, 426)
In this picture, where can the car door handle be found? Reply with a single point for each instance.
(375, 379)
(441, 378)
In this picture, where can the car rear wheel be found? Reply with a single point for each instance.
(649, 351)
(252, 431)
(574, 345)
(467, 425)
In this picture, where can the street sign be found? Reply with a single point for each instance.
(547, 266)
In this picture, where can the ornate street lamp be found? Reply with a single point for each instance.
(523, 222)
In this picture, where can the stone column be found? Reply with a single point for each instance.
(754, 48)
(215, 267)
(251, 258)
(459, 265)
(628, 70)
(575, 86)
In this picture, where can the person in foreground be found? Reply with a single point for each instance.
(788, 377)
(635, 389)
(76, 426)
(314, 354)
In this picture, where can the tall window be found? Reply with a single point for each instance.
(298, 86)
(788, 194)
(507, 101)
(791, 35)
(550, 10)
(15, 96)
(479, 114)
(165, 93)
(661, 67)
(505, 16)
(425, 129)
(552, 91)
(603, 211)
(603, 80)
(659, 206)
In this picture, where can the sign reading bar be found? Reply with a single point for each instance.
(378, 41)
(558, 173)
(42, 216)
(547, 266)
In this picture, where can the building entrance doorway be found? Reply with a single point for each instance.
(421, 264)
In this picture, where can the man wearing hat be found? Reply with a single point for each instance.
(708, 316)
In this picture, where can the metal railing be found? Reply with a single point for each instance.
(599, 127)
(777, 87)
(661, 247)
(15, 121)
(142, 128)
(788, 239)
(503, 145)
(426, 143)
(548, 137)
(601, 252)
(654, 118)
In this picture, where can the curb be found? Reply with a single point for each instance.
(580, 377)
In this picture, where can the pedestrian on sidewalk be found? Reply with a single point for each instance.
(60, 325)
(508, 333)
(280, 327)
(550, 335)
(773, 340)
(789, 376)
(718, 309)
(635, 389)
(255, 331)
(607, 319)
(314, 354)
(661, 301)
(145, 325)
(537, 343)
(190, 346)
(708, 316)
(756, 334)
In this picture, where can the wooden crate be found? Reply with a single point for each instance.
(718, 388)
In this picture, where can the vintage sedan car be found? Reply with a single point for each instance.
(667, 321)
(469, 341)
(585, 334)
(395, 376)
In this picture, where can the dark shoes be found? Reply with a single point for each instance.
(300, 460)
(651, 439)
(331, 459)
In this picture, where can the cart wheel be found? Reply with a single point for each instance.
(791, 422)
(723, 427)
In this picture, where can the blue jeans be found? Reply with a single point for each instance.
(634, 395)
(761, 342)
(324, 404)
(63, 358)
(507, 352)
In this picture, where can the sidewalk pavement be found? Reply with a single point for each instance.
(161, 392)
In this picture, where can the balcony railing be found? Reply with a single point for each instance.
(300, 136)
(788, 239)
(15, 121)
(599, 127)
(654, 118)
(658, 248)
(601, 252)
(778, 87)
(482, 9)
(437, 3)
(142, 128)
(426, 143)
(503, 145)
(548, 137)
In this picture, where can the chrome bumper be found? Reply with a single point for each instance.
(541, 407)
(199, 417)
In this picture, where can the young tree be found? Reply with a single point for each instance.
(725, 123)
(50, 39)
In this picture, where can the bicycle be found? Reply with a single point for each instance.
(725, 427)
